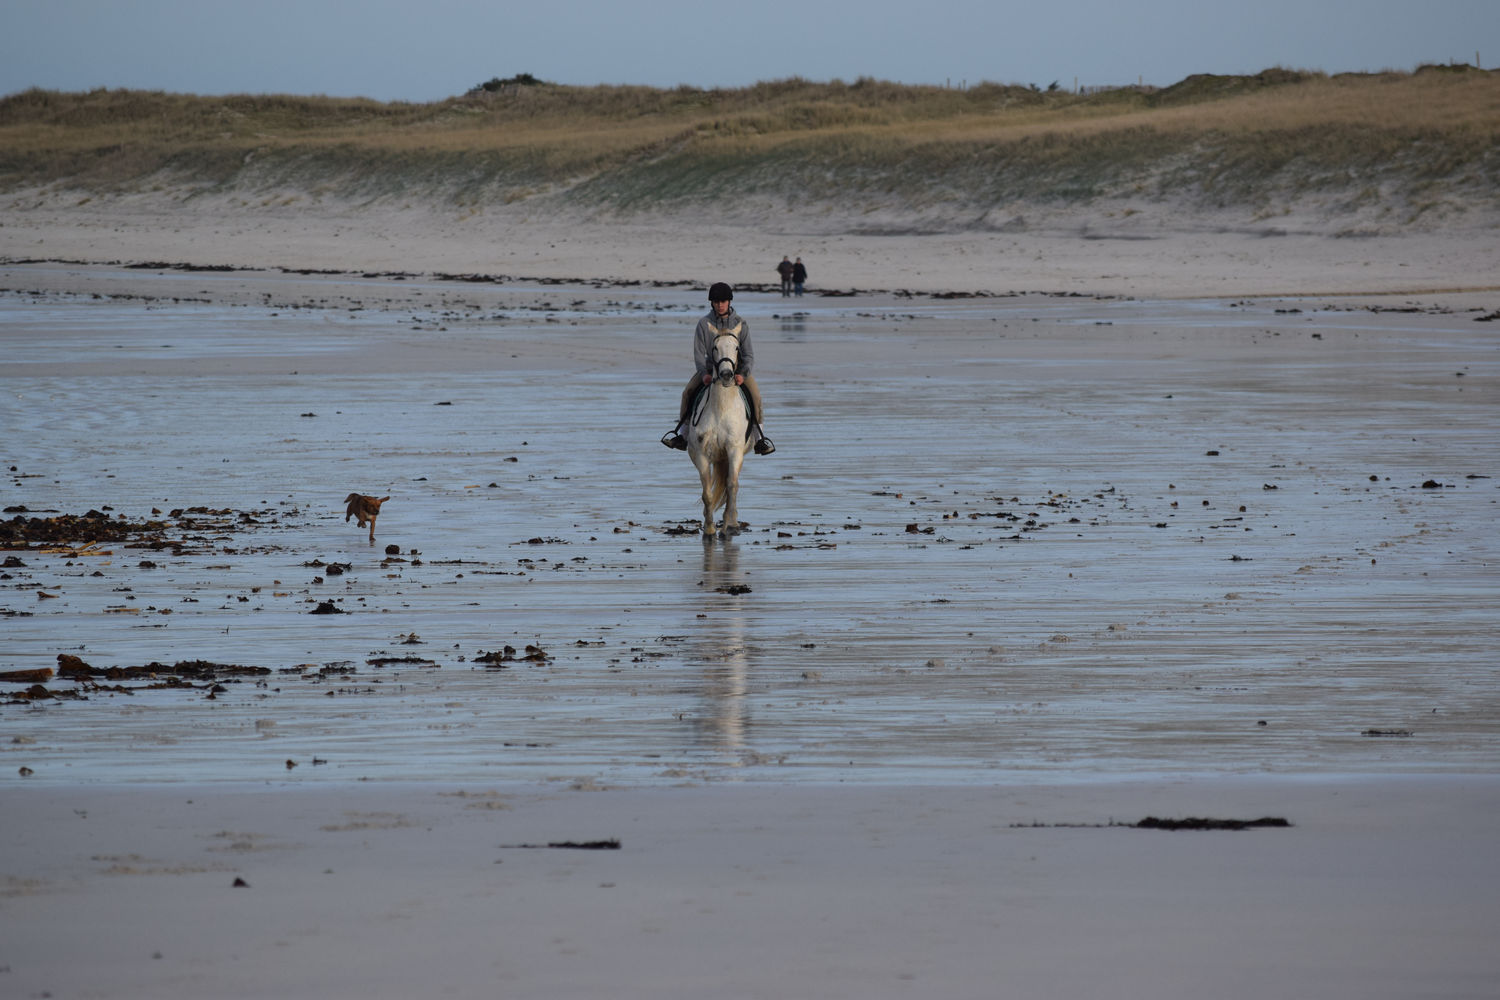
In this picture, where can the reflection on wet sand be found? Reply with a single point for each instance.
(793, 327)
(722, 649)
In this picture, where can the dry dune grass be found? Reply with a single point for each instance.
(635, 148)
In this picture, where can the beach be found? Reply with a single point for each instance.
(1381, 889)
(1068, 527)
(1154, 250)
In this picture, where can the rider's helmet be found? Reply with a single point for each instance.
(720, 292)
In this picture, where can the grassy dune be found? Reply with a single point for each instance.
(1408, 149)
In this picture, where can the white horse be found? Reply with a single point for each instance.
(718, 436)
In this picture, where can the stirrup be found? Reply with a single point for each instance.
(674, 440)
(764, 446)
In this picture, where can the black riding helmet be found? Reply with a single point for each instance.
(720, 292)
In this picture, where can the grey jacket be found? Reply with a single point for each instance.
(711, 326)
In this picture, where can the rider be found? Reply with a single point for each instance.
(721, 319)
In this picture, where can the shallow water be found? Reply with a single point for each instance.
(994, 543)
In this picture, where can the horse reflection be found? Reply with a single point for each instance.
(721, 726)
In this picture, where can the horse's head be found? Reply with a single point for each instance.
(726, 357)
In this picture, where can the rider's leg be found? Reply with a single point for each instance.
(673, 438)
(763, 444)
(689, 393)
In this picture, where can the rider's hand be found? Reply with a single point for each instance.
(739, 380)
(707, 378)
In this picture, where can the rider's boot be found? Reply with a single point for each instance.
(763, 444)
(673, 439)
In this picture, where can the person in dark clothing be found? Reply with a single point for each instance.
(799, 276)
(721, 319)
(785, 270)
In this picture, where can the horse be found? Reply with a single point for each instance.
(718, 436)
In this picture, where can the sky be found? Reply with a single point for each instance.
(426, 50)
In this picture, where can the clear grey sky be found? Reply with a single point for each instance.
(422, 50)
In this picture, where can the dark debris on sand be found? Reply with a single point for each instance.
(96, 527)
(195, 675)
(1206, 823)
(507, 655)
(203, 670)
(21, 532)
(609, 844)
(1155, 823)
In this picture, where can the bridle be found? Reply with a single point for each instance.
(719, 362)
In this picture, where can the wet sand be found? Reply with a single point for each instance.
(1034, 558)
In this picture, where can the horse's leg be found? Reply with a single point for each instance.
(704, 465)
(732, 493)
(705, 476)
(708, 512)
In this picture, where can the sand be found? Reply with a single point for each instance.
(1381, 889)
(1194, 525)
(1155, 253)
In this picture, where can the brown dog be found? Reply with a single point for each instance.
(365, 508)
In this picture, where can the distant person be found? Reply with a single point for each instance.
(799, 277)
(721, 319)
(785, 269)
